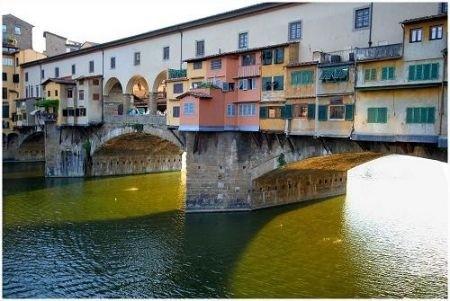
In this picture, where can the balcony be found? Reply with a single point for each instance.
(249, 71)
(379, 52)
(334, 58)
(177, 73)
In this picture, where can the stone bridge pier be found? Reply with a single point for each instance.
(26, 145)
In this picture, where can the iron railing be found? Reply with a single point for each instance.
(379, 52)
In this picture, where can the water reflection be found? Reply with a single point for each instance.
(129, 237)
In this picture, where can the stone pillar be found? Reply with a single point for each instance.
(152, 102)
(128, 102)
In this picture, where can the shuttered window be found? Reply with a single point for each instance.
(420, 115)
(388, 73)
(423, 72)
(376, 115)
(349, 112)
(301, 77)
(263, 112)
(370, 74)
(323, 113)
(287, 112)
(311, 111)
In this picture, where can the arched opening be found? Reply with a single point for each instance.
(138, 90)
(32, 148)
(113, 97)
(159, 99)
(136, 153)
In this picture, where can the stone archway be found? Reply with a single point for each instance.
(32, 147)
(113, 97)
(137, 91)
(158, 97)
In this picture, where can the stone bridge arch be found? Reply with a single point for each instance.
(134, 149)
(158, 98)
(113, 97)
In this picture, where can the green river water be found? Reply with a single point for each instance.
(129, 237)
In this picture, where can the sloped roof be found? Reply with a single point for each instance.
(196, 94)
(64, 81)
(426, 18)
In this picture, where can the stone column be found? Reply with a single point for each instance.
(152, 102)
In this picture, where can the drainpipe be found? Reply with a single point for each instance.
(316, 115)
(181, 49)
(101, 87)
(370, 25)
(441, 109)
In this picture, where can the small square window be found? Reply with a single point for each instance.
(216, 64)
(166, 53)
(243, 40)
(295, 30)
(198, 65)
(436, 32)
(17, 30)
(362, 18)
(177, 88)
(415, 35)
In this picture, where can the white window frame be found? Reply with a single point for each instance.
(17, 30)
(231, 110)
(298, 34)
(188, 108)
(436, 32)
(355, 12)
(247, 109)
(415, 33)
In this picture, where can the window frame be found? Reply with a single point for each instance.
(56, 72)
(81, 94)
(74, 69)
(333, 106)
(188, 108)
(231, 110)
(430, 37)
(19, 32)
(176, 109)
(197, 53)
(356, 26)
(166, 57)
(112, 63)
(195, 65)
(91, 66)
(137, 58)
(415, 29)
(251, 61)
(245, 113)
(215, 64)
(300, 31)
(246, 39)
(175, 91)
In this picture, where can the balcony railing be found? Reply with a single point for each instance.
(143, 119)
(249, 71)
(177, 73)
(379, 52)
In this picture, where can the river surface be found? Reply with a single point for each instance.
(129, 237)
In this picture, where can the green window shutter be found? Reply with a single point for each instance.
(371, 115)
(373, 75)
(295, 78)
(391, 73)
(426, 71)
(382, 115)
(412, 72)
(287, 112)
(423, 115)
(323, 116)
(419, 72)
(430, 115)
(367, 74)
(384, 73)
(434, 70)
(311, 111)
(349, 111)
(409, 115)
(310, 77)
(283, 113)
(263, 112)
(416, 115)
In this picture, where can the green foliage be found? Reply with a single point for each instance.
(47, 103)
(87, 146)
(281, 160)
(175, 73)
(206, 85)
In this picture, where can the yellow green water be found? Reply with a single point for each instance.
(129, 237)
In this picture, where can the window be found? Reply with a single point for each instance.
(5, 111)
(16, 78)
(176, 112)
(3, 27)
(295, 30)
(7, 61)
(200, 48)
(266, 83)
(336, 112)
(274, 112)
(70, 112)
(279, 55)
(388, 73)
(436, 32)
(69, 93)
(73, 69)
(37, 91)
(17, 30)
(228, 86)
(56, 72)
(267, 56)
(300, 111)
(56, 93)
(376, 115)
(91, 66)
(195, 85)
(4, 76)
(137, 58)
(420, 115)
(248, 59)
(362, 18)
(95, 96)
(95, 82)
(247, 109)
(49, 93)
(177, 88)
(81, 94)
(415, 35)
(278, 83)
(243, 40)
(64, 112)
(188, 108)
(302, 77)
(443, 7)
(4, 93)
(216, 64)
(80, 112)
(26, 76)
(370, 74)
(423, 72)
(247, 84)
(197, 65)
(166, 53)
(112, 63)
(81, 82)
(42, 74)
(231, 110)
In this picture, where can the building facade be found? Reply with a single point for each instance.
(16, 32)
